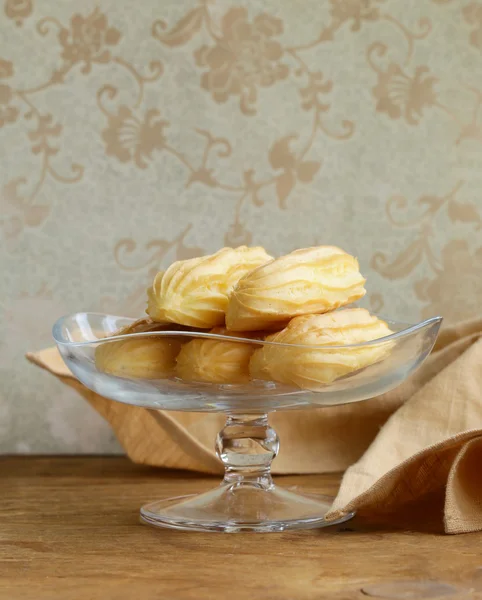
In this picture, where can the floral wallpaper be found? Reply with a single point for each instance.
(134, 134)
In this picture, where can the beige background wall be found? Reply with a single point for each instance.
(135, 133)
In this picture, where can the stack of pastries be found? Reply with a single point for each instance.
(294, 302)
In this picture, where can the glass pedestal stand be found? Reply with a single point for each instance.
(247, 499)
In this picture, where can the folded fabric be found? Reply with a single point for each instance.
(423, 438)
(432, 444)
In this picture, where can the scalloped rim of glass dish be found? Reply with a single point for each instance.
(206, 334)
(247, 499)
(275, 395)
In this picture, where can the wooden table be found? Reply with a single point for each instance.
(69, 528)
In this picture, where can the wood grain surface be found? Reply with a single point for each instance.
(69, 529)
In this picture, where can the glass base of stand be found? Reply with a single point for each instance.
(247, 499)
(233, 508)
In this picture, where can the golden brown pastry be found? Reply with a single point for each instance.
(311, 369)
(215, 360)
(139, 357)
(141, 325)
(195, 292)
(146, 325)
(311, 280)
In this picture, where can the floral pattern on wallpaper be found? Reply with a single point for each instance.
(18, 10)
(456, 274)
(85, 41)
(246, 60)
(245, 56)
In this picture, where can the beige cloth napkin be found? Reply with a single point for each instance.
(421, 440)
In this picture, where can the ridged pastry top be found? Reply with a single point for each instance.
(142, 325)
(311, 280)
(140, 357)
(313, 368)
(339, 328)
(195, 292)
(215, 360)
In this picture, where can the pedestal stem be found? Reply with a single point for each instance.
(247, 446)
(247, 499)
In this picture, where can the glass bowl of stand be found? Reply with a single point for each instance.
(246, 499)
